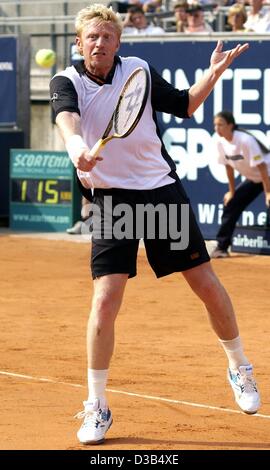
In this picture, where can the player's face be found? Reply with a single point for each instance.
(223, 128)
(98, 43)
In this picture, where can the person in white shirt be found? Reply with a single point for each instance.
(180, 14)
(258, 19)
(242, 152)
(136, 23)
(136, 172)
(195, 20)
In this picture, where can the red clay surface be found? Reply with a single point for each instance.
(164, 348)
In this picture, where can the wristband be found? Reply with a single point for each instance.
(74, 144)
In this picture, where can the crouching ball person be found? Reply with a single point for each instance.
(239, 151)
(132, 171)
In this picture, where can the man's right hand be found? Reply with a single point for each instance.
(84, 162)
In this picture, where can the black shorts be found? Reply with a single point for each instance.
(172, 238)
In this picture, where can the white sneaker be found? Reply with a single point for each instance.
(218, 253)
(245, 389)
(96, 423)
(76, 229)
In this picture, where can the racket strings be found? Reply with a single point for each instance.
(130, 104)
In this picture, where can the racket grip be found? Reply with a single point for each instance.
(96, 149)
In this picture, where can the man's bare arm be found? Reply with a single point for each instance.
(69, 124)
(219, 62)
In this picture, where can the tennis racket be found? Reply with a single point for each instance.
(128, 111)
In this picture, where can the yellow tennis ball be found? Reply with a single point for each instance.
(45, 58)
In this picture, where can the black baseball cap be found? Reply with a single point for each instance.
(193, 8)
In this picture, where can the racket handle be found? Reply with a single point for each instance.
(96, 149)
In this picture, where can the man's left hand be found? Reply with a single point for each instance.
(220, 60)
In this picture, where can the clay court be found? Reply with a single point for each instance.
(167, 386)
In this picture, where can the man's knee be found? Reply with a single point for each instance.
(210, 286)
(103, 306)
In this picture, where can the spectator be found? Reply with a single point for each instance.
(180, 14)
(136, 23)
(258, 19)
(195, 20)
(237, 17)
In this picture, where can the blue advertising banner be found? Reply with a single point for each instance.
(242, 89)
(8, 92)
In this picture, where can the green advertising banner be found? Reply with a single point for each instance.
(43, 192)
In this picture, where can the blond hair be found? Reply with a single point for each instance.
(102, 13)
(237, 9)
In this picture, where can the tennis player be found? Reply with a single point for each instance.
(136, 171)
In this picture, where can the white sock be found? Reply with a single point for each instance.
(234, 351)
(97, 381)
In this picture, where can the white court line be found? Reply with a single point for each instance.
(40, 379)
(138, 395)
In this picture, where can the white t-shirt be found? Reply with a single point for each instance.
(243, 154)
(259, 23)
(139, 161)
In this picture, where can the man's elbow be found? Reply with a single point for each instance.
(64, 117)
(61, 116)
